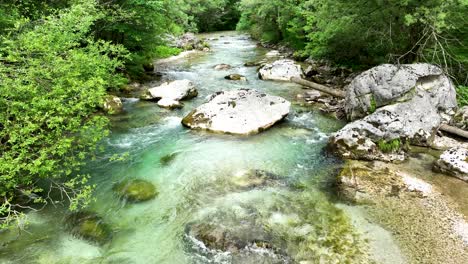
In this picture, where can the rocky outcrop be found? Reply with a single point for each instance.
(454, 162)
(241, 112)
(169, 94)
(406, 105)
(391, 84)
(280, 70)
(323, 72)
(189, 41)
(113, 104)
(460, 119)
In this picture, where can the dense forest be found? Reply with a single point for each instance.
(59, 59)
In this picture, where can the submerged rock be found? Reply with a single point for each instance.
(280, 70)
(454, 162)
(220, 237)
(165, 160)
(235, 77)
(242, 243)
(135, 190)
(250, 179)
(113, 104)
(222, 67)
(407, 105)
(241, 112)
(254, 63)
(169, 94)
(89, 226)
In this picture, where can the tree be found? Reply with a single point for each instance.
(53, 79)
(364, 33)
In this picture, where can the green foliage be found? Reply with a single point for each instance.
(54, 77)
(389, 146)
(273, 20)
(462, 95)
(140, 26)
(365, 33)
(214, 15)
(165, 51)
(373, 105)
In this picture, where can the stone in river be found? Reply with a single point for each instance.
(88, 226)
(235, 77)
(136, 190)
(170, 94)
(280, 70)
(454, 162)
(241, 112)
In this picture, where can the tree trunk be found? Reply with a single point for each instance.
(319, 87)
(454, 131)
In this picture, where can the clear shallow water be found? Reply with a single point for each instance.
(200, 184)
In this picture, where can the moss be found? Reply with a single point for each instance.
(373, 104)
(136, 190)
(389, 146)
(89, 226)
(232, 103)
(194, 118)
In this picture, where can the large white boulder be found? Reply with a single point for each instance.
(404, 105)
(280, 70)
(170, 93)
(454, 162)
(389, 84)
(242, 112)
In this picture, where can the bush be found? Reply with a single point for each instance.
(462, 95)
(165, 51)
(54, 78)
(389, 146)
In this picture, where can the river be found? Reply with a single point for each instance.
(197, 178)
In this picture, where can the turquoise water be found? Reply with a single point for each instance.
(202, 181)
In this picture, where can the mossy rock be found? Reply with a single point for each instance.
(253, 64)
(136, 190)
(113, 104)
(235, 77)
(148, 67)
(167, 159)
(89, 226)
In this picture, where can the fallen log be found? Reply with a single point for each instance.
(454, 131)
(319, 87)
